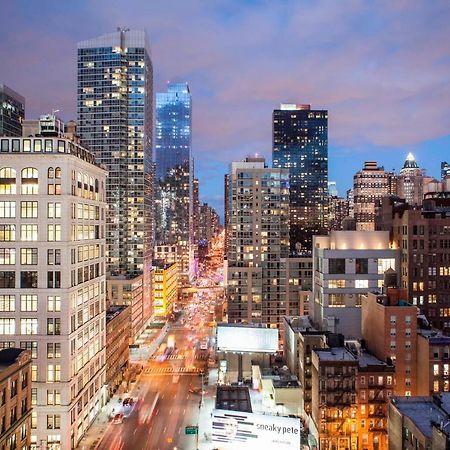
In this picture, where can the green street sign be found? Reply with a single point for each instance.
(191, 430)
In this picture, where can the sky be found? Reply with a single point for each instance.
(381, 68)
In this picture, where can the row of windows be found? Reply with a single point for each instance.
(29, 326)
(29, 303)
(28, 279)
(53, 350)
(29, 256)
(29, 233)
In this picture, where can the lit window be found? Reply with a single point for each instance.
(7, 303)
(28, 256)
(28, 303)
(7, 180)
(28, 210)
(8, 210)
(53, 373)
(53, 232)
(7, 256)
(29, 233)
(361, 284)
(29, 181)
(7, 326)
(7, 233)
(28, 326)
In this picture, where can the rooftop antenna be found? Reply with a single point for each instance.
(54, 111)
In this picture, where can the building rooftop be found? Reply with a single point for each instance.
(301, 324)
(281, 377)
(425, 411)
(114, 311)
(8, 356)
(335, 354)
(161, 264)
(233, 398)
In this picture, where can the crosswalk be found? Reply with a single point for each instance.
(171, 370)
(168, 357)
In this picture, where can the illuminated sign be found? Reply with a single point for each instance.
(247, 339)
(240, 430)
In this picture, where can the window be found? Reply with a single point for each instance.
(29, 326)
(361, 284)
(7, 256)
(435, 369)
(28, 210)
(53, 373)
(34, 372)
(54, 422)
(51, 172)
(7, 233)
(54, 189)
(7, 280)
(361, 265)
(336, 284)
(336, 265)
(385, 264)
(53, 232)
(7, 326)
(28, 302)
(53, 350)
(8, 210)
(29, 256)
(54, 210)
(336, 300)
(54, 326)
(393, 320)
(53, 303)
(54, 257)
(29, 181)
(29, 233)
(7, 303)
(31, 346)
(53, 397)
(7, 180)
(58, 172)
(54, 280)
(29, 279)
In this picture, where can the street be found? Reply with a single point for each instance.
(167, 397)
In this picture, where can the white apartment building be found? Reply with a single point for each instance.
(346, 266)
(52, 280)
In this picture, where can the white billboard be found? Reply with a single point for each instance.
(248, 431)
(247, 339)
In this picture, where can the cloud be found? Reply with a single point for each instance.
(380, 68)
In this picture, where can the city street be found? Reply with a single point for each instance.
(168, 394)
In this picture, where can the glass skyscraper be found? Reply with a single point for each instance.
(300, 144)
(12, 112)
(174, 173)
(173, 128)
(115, 109)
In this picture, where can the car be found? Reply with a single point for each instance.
(118, 418)
(128, 401)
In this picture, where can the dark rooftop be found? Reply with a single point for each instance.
(114, 311)
(8, 356)
(233, 398)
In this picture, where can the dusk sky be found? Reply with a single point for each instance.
(380, 68)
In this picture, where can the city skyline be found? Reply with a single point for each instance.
(370, 80)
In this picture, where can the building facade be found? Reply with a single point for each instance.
(165, 290)
(115, 110)
(411, 181)
(300, 144)
(346, 266)
(258, 243)
(52, 279)
(118, 335)
(176, 208)
(370, 185)
(12, 112)
(15, 389)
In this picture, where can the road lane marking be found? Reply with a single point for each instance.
(170, 412)
(184, 411)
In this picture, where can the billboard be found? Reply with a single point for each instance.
(241, 430)
(247, 339)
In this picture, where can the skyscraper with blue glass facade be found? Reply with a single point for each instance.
(300, 144)
(174, 172)
(115, 122)
(173, 128)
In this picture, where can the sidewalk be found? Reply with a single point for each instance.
(93, 436)
(204, 421)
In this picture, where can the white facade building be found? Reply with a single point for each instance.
(346, 266)
(52, 280)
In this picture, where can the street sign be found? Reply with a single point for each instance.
(191, 430)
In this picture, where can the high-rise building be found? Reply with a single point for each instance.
(52, 279)
(300, 144)
(115, 108)
(370, 185)
(258, 243)
(338, 210)
(209, 224)
(173, 128)
(445, 169)
(12, 112)
(347, 265)
(411, 181)
(175, 218)
(422, 235)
